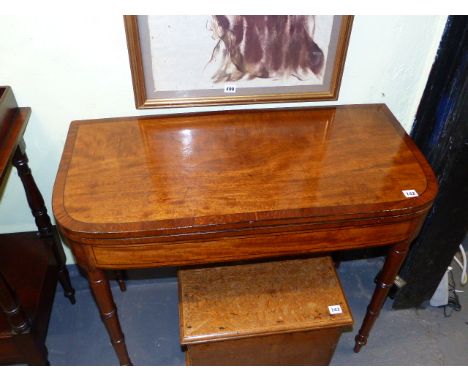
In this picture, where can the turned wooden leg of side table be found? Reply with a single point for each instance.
(43, 222)
(392, 265)
(34, 352)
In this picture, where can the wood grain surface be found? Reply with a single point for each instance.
(208, 170)
(251, 299)
(307, 348)
(205, 249)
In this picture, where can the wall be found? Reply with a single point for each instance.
(78, 68)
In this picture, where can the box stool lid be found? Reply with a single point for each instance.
(236, 301)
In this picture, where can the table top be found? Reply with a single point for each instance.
(207, 171)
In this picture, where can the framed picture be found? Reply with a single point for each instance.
(181, 61)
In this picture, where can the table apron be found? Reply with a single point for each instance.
(236, 248)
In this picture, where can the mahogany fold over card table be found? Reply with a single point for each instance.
(205, 188)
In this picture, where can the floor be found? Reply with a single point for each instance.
(149, 318)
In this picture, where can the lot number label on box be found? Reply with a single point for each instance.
(335, 309)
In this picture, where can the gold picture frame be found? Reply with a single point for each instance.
(148, 36)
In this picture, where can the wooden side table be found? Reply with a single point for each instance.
(30, 262)
(239, 185)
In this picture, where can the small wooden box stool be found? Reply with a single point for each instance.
(270, 313)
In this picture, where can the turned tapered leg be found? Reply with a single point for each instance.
(17, 319)
(392, 265)
(120, 276)
(63, 276)
(105, 302)
(43, 223)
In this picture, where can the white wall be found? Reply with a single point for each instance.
(77, 68)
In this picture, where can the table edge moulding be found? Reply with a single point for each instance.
(214, 187)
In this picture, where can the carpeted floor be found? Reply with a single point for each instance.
(149, 317)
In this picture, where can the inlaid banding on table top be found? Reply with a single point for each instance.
(166, 168)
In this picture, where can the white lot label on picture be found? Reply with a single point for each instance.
(230, 88)
(335, 309)
(410, 193)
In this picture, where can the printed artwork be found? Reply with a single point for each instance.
(223, 59)
(249, 47)
(205, 52)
